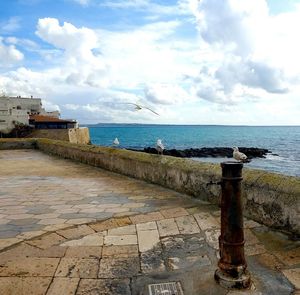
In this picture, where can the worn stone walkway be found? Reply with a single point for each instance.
(40, 193)
(134, 235)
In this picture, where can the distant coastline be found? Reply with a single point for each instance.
(152, 124)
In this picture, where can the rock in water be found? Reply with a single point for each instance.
(206, 152)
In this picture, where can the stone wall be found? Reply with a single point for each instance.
(16, 144)
(73, 135)
(269, 198)
(79, 135)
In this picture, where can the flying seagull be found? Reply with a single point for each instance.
(159, 146)
(139, 107)
(237, 155)
(116, 142)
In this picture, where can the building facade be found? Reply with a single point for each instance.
(15, 111)
(48, 122)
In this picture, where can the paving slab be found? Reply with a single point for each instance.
(24, 285)
(5, 243)
(95, 239)
(106, 287)
(174, 212)
(123, 221)
(153, 260)
(29, 267)
(293, 275)
(76, 232)
(152, 216)
(146, 226)
(122, 230)
(120, 251)
(147, 239)
(167, 227)
(77, 268)
(120, 240)
(289, 257)
(186, 262)
(84, 252)
(119, 267)
(212, 238)
(66, 285)
(206, 221)
(187, 225)
(47, 241)
(270, 261)
(104, 225)
(254, 249)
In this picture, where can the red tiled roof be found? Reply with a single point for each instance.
(44, 119)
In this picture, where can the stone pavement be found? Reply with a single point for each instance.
(122, 256)
(40, 193)
(161, 237)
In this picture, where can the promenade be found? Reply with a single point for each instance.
(69, 228)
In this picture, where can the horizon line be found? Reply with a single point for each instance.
(173, 124)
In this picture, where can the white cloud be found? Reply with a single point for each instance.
(232, 23)
(166, 94)
(148, 54)
(49, 106)
(26, 82)
(9, 55)
(242, 32)
(153, 9)
(78, 42)
(82, 2)
(72, 107)
(27, 44)
(10, 26)
(81, 65)
(126, 4)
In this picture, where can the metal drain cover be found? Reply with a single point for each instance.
(170, 288)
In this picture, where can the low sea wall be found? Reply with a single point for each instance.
(269, 198)
(74, 135)
(17, 144)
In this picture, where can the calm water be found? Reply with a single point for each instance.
(284, 141)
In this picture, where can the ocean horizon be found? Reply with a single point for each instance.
(153, 124)
(282, 141)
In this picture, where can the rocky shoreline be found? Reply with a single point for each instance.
(206, 152)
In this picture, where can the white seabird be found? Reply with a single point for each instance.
(139, 107)
(159, 146)
(237, 155)
(116, 142)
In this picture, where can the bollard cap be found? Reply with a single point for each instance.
(231, 169)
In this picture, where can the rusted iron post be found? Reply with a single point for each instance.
(232, 265)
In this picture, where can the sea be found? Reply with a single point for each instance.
(282, 141)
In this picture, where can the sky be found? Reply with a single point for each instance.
(229, 62)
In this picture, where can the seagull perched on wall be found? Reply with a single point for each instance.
(139, 107)
(237, 155)
(159, 146)
(116, 142)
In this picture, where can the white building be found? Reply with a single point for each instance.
(15, 111)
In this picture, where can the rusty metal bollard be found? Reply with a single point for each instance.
(232, 265)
